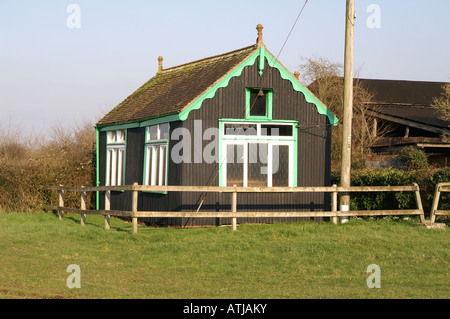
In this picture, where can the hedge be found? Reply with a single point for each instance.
(425, 178)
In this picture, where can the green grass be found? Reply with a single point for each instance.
(292, 260)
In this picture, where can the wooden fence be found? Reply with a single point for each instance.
(440, 187)
(134, 214)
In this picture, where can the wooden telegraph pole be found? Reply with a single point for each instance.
(348, 107)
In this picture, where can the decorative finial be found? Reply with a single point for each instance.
(297, 74)
(259, 41)
(160, 60)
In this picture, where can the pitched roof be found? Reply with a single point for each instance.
(403, 92)
(409, 100)
(420, 114)
(173, 89)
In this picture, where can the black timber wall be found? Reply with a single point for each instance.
(314, 145)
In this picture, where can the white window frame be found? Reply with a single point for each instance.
(115, 157)
(259, 134)
(245, 140)
(160, 146)
(270, 144)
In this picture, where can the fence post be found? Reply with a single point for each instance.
(60, 202)
(83, 207)
(234, 209)
(334, 205)
(419, 203)
(134, 206)
(107, 207)
(434, 207)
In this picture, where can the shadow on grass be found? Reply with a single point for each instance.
(96, 222)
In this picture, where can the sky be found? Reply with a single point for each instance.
(66, 62)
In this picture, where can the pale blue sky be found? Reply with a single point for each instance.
(50, 73)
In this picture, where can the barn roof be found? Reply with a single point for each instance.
(407, 100)
(403, 92)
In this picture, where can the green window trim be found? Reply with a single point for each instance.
(249, 102)
(117, 127)
(223, 138)
(142, 123)
(97, 164)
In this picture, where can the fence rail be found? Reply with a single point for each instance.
(134, 214)
(440, 187)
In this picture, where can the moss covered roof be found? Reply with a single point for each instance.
(173, 89)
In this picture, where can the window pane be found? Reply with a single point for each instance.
(154, 165)
(163, 163)
(108, 170)
(257, 164)
(280, 165)
(148, 166)
(119, 167)
(111, 136)
(120, 136)
(235, 165)
(113, 166)
(276, 130)
(153, 132)
(240, 129)
(258, 103)
(163, 131)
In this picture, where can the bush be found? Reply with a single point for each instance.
(413, 158)
(28, 165)
(440, 176)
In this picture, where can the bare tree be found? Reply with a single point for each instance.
(325, 80)
(442, 103)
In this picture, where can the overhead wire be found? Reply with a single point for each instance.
(253, 103)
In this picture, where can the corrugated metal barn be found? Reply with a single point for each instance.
(239, 118)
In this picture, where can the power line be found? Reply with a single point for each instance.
(253, 103)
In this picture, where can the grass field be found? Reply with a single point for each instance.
(293, 260)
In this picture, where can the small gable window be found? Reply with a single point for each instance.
(259, 103)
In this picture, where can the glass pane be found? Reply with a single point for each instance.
(257, 164)
(148, 166)
(276, 130)
(235, 165)
(113, 166)
(120, 166)
(240, 129)
(111, 136)
(280, 165)
(162, 178)
(155, 165)
(109, 170)
(163, 131)
(153, 132)
(258, 103)
(120, 136)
